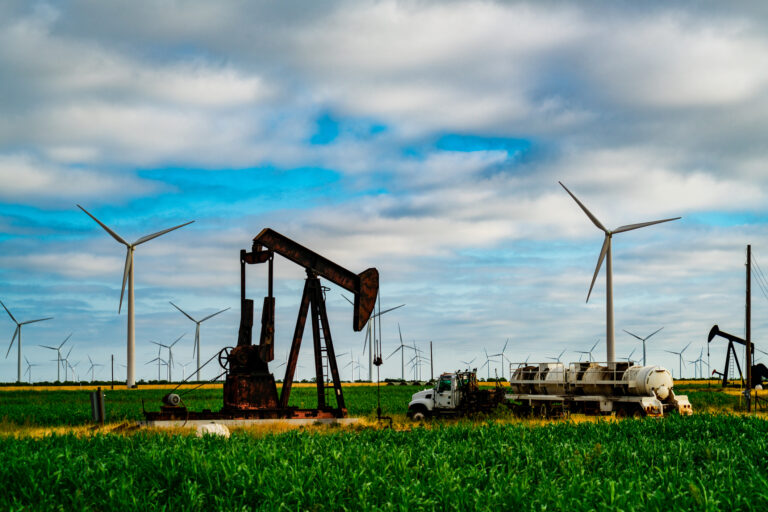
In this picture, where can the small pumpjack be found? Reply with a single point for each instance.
(250, 391)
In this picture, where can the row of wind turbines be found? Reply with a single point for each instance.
(128, 277)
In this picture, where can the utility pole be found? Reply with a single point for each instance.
(431, 365)
(749, 327)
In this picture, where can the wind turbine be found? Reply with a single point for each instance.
(18, 332)
(557, 359)
(72, 367)
(93, 366)
(487, 363)
(680, 355)
(468, 363)
(196, 346)
(128, 274)
(503, 356)
(629, 357)
(65, 359)
(29, 368)
(160, 362)
(400, 348)
(183, 369)
(369, 335)
(643, 340)
(587, 352)
(58, 355)
(606, 251)
(170, 353)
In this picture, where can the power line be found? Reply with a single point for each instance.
(761, 280)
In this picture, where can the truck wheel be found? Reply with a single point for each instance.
(417, 414)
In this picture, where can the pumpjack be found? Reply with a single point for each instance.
(759, 371)
(250, 391)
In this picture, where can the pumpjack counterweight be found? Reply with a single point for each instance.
(250, 390)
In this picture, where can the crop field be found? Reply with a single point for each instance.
(703, 462)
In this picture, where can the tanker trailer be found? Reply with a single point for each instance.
(594, 388)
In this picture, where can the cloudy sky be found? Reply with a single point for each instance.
(425, 139)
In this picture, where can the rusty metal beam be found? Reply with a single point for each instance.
(290, 367)
(364, 286)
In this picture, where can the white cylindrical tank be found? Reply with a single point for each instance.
(554, 381)
(646, 380)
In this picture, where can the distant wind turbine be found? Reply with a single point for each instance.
(196, 346)
(128, 274)
(93, 366)
(29, 368)
(587, 352)
(58, 356)
(680, 355)
(170, 353)
(606, 251)
(557, 359)
(643, 340)
(18, 332)
(400, 348)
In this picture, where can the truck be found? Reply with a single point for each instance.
(454, 394)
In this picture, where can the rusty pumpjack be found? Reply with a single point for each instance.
(249, 389)
(759, 371)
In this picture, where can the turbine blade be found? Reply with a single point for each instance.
(388, 310)
(114, 235)
(177, 340)
(688, 345)
(589, 214)
(394, 352)
(128, 263)
(634, 335)
(33, 321)
(183, 312)
(213, 315)
(630, 227)
(159, 233)
(18, 327)
(46, 346)
(505, 346)
(9, 313)
(654, 332)
(400, 333)
(603, 251)
(347, 299)
(65, 340)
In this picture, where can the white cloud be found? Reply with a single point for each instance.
(31, 180)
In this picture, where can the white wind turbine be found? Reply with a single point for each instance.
(401, 348)
(170, 353)
(606, 251)
(196, 346)
(128, 274)
(93, 366)
(29, 368)
(680, 356)
(18, 332)
(642, 339)
(58, 356)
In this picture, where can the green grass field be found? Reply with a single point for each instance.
(703, 462)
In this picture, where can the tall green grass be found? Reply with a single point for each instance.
(695, 463)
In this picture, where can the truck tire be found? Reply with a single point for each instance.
(418, 413)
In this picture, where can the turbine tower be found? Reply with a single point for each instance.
(605, 252)
(643, 340)
(128, 274)
(196, 346)
(18, 332)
